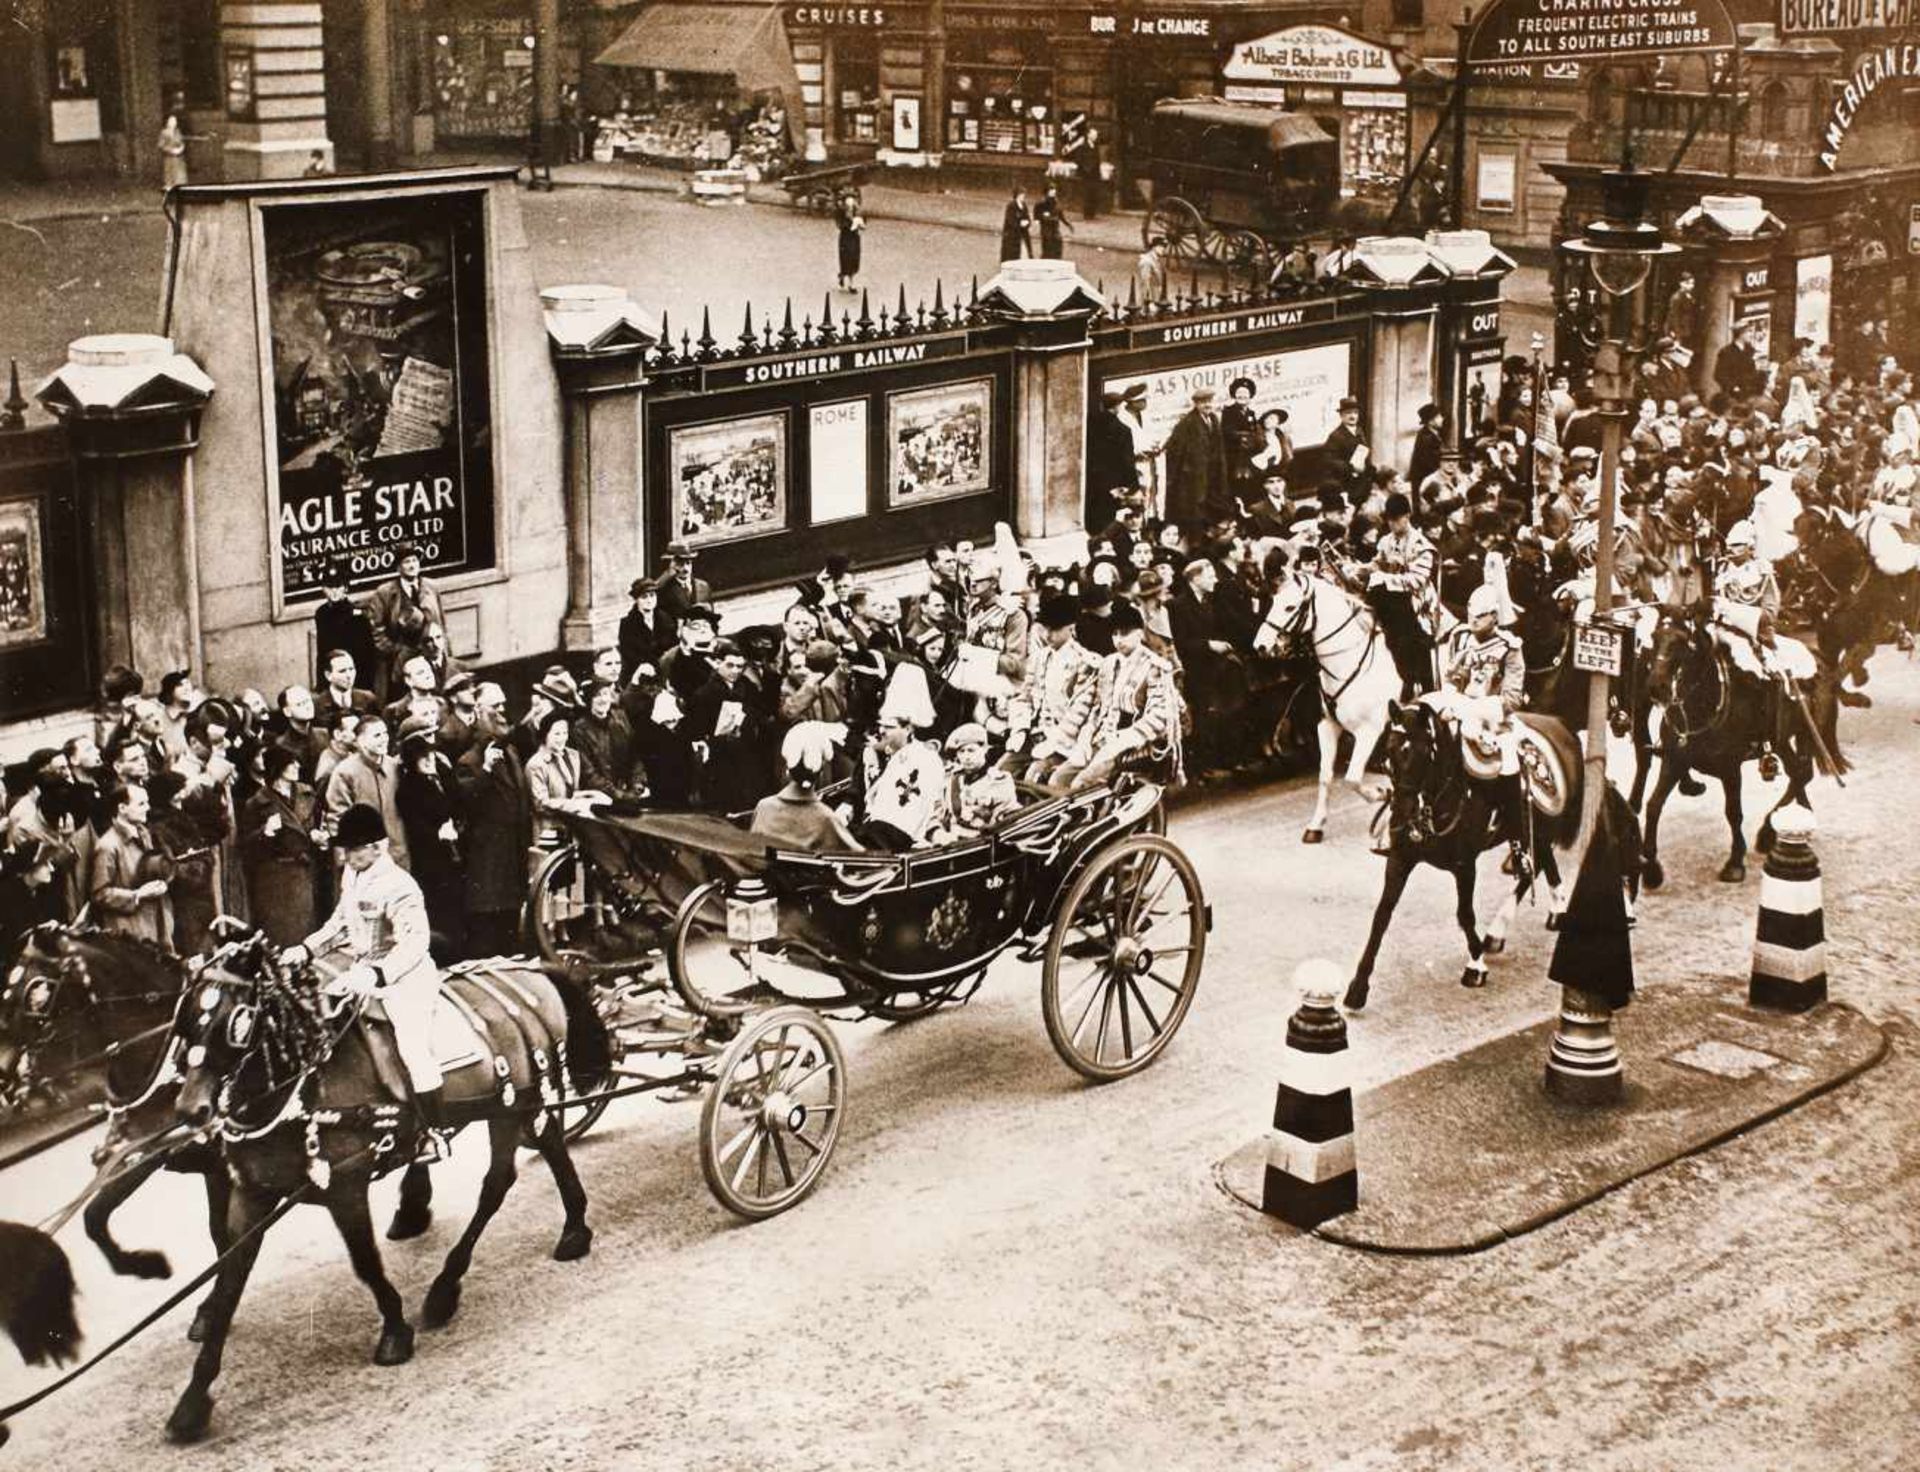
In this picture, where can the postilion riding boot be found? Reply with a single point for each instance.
(436, 1133)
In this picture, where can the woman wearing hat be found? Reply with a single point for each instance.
(426, 800)
(1241, 439)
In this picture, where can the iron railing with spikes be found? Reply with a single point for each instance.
(769, 336)
(13, 412)
(1194, 298)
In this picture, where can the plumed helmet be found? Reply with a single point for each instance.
(1485, 600)
(359, 825)
(1741, 534)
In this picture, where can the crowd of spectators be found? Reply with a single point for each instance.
(180, 804)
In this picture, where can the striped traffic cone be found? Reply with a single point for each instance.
(1310, 1167)
(1790, 943)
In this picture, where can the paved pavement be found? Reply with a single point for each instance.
(1007, 1269)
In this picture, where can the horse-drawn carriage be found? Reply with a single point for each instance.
(1229, 181)
(713, 954)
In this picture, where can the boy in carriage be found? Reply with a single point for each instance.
(978, 795)
(1482, 684)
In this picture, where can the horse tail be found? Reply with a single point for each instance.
(589, 1049)
(36, 1296)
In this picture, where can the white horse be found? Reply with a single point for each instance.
(1358, 680)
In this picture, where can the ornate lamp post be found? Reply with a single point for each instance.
(1619, 251)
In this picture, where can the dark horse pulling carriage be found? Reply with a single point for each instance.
(699, 940)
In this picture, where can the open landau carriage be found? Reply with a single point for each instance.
(708, 950)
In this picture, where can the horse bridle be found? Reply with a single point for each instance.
(1423, 825)
(1306, 620)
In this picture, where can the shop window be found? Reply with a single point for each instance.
(1000, 96)
(83, 82)
(856, 90)
(199, 22)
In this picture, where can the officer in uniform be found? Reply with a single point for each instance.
(379, 933)
(1483, 685)
(905, 778)
(1131, 708)
(1746, 601)
(1401, 592)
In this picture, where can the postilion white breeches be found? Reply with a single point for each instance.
(1483, 720)
(409, 1007)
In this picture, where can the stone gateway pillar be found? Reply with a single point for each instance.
(1049, 307)
(599, 341)
(131, 406)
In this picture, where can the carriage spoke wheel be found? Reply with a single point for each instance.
(704, 964)
(1124, 957)
(576, 917)
(1176, 225)
(772, 1115)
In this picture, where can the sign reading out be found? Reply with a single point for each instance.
(1557, 30)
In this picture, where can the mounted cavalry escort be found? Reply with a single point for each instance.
(1470, 771)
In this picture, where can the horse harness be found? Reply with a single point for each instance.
(1307, 622)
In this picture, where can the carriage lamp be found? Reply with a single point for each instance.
(752, 911)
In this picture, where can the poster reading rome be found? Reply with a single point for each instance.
(376, 321)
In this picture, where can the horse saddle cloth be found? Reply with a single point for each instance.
(1548, 782)
(456, 1042)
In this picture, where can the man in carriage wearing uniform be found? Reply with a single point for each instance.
(1128, 713)
(905, 779)
(1057, 669)
(1483, 682)
(991, 662)
(1746, 602)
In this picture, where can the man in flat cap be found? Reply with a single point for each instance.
(1196, 462)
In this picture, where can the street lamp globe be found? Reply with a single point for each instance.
(1620, 247)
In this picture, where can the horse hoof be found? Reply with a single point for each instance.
(1554, 920)
(201, 1326)
(1690, 787)
(1652, 875)
(395, 1346)
(188, 1423)
(574, 1244)
(144, 1264)
(1356, 997)
(1733, 872)
(443, 1301)
(1493, 945)
(1313, 835)
(407, 1224)
(1854, 700)
(1474, 977)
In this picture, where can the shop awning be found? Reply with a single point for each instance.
(745, 42)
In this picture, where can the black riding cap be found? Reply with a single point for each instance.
(360, 824)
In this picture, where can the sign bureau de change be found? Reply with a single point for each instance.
(1512, 31)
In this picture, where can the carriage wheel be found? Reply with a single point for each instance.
(576, 1122)
(913, 1005)
(703, 963)
(570, 917)
(1177, 225)
(1242, 250)
(772, 1116)
(1124, 957)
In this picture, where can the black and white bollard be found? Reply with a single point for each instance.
(1311, 1174)
(1790, 942)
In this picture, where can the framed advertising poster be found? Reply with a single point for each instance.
(837, 460)
(1307, 384)
(380, 424)
(729, 478)
(23, 602)
(939, 442)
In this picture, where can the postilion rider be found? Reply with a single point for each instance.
(379, 935)
(1483, 684)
